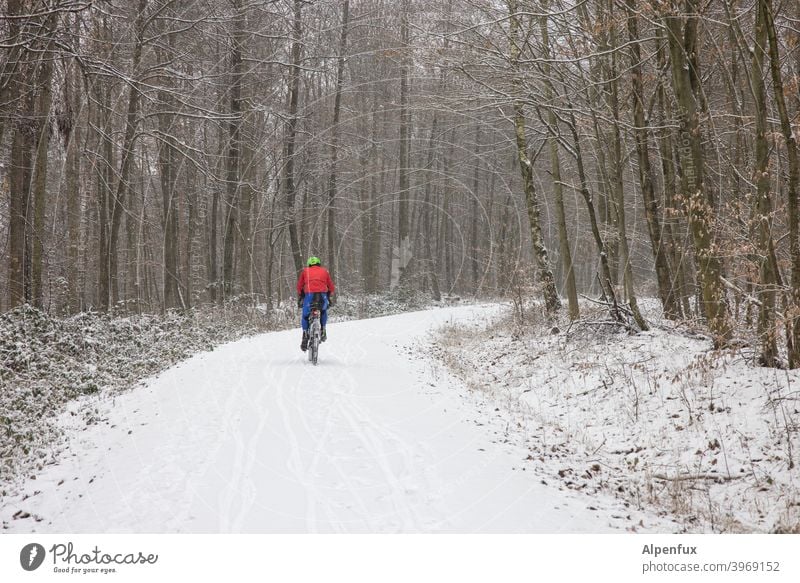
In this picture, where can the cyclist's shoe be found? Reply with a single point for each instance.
(324, 336)
(304, 343)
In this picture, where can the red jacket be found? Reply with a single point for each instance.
(314, 279)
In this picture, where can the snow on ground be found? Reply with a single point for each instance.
(253, 438)
(47, 361)
(656, 418)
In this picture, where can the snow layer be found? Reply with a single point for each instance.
(46, 362)
(658, 418)
(252, 438)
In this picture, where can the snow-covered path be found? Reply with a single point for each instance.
(253, 438)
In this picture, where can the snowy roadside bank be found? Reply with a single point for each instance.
(657, 419)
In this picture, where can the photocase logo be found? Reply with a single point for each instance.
(31, 556)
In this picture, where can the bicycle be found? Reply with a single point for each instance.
(314, 333)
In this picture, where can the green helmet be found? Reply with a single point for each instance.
(313, 261)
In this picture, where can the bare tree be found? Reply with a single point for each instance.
(552, 301)
(682, 31)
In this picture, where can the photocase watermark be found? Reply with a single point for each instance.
(32, 556)
(67, 560)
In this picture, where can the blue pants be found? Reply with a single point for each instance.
(323, 297)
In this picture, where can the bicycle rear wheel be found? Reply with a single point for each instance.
(314, 341)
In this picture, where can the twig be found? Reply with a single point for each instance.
(598, 447)
(611, 305)
(750, 299)
(598, 302)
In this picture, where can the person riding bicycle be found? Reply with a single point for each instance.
(314, 286)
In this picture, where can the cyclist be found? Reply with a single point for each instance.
(314, 286)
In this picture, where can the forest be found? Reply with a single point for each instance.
(161, 155)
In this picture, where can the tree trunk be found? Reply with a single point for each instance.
(792, 186)
(606, 279)
(20, 115)
(555, 168)
(233, 166)
(337, 106)
(552, 301)
(474, 212)
(403, 227)
(168, 162)
(291, 135)
(19, 186)
(600, 26)
(215, 294)
(431, 270)
(666, 290)
(763, 212)
(122, 191)
(104, 181)
(43, 106)
(676, 236)
(700, 206)
(213, 266)
(191, 252)
(72, 172)
(247, 199)
(619, 192)
(370, 167)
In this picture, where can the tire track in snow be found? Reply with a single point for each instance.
(247, 487)
(233, 430)
(391, 462)
(286, 396)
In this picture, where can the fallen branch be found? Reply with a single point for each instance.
(692, 477)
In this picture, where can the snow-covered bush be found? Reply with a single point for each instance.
(352, 307)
